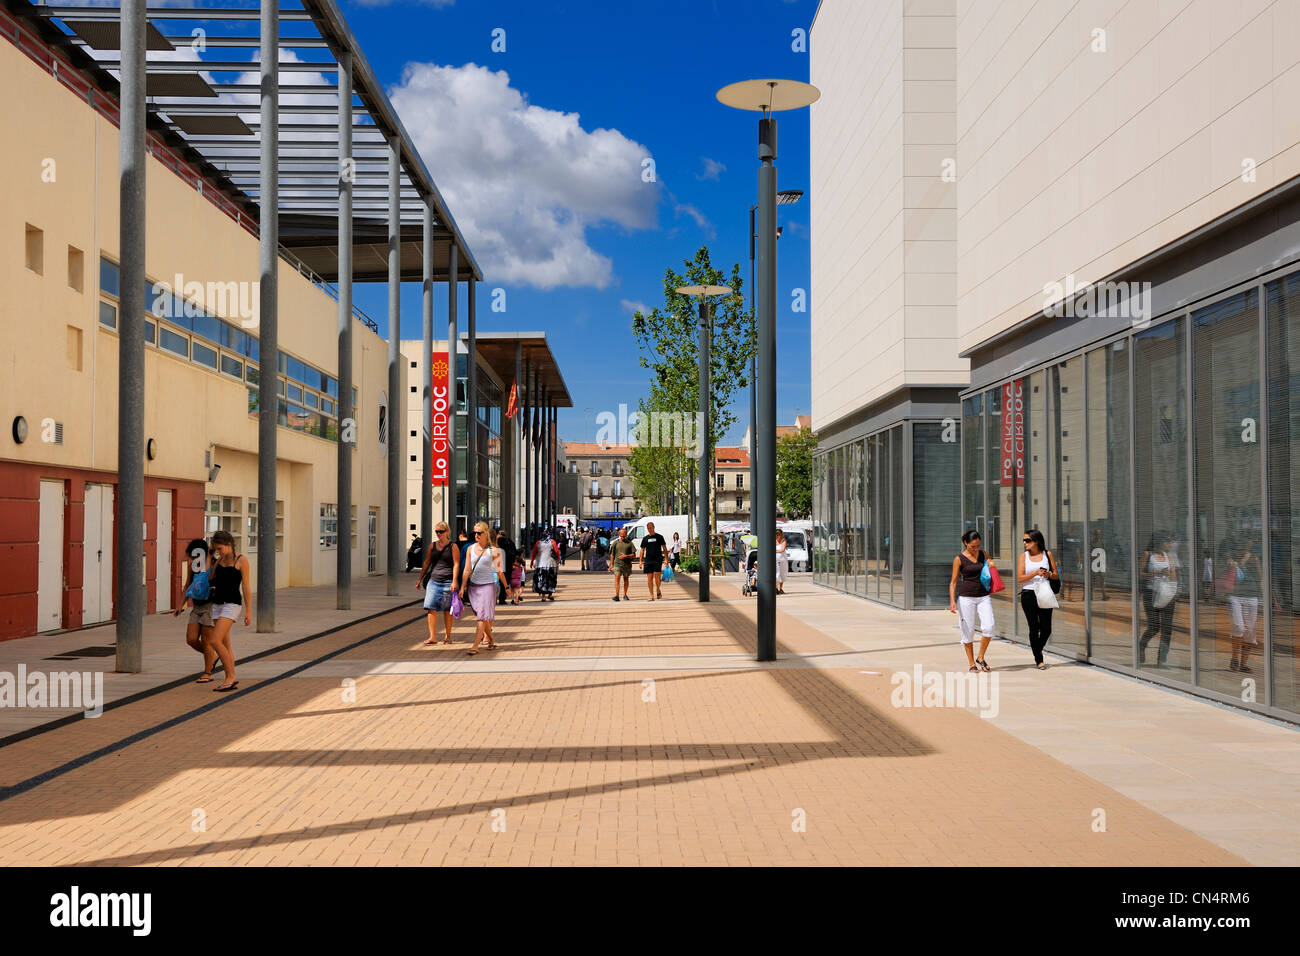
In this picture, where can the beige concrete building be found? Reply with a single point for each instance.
(605, 488)
(1125, 194)
(58, 253)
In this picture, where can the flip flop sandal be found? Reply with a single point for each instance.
(226, 687)
(204, 678)
(984, 666)
(974, 669)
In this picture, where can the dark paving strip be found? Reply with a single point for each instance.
(182, 681)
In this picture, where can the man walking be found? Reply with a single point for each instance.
(509, 549)
(651, 560)
(620, 563)
(584, 545)
(562, 539)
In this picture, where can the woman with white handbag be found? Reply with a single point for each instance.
(1159, 596)
(1035, 575)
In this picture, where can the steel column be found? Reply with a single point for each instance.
(453, 486)
(426, 364)
(516, 447)
(706, 449)
(396, 399)
(471, 405)
(525, 456)
(129, 591)
(753, 382)
(763, 520)
(346, 413)
(268, 333)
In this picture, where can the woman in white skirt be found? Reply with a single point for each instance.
(968, 599)
(782, 563)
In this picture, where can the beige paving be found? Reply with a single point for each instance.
(804, 763)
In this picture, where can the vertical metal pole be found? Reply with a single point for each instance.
(706, 449)
(396, 444)
(268, 334)
(550, 465)
(546, 458)
(453, 483)
(346, 413)
(471, 402)
(516, 486)
(129, 594)
(1266, 509)
(426, 365)
(753, 382)
(765, 299)
(526, 451)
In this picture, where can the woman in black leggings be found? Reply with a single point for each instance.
(1159, 597)
(1035, 563)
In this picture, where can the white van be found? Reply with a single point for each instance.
(796, 546)
(664, 525)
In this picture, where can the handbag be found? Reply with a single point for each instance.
(990, 578)
(457, 605)
(1163, 592)
(1044, 595)
(200, 588)
(1056, 581)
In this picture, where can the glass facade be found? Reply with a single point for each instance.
(885, 511)
(1161, 468)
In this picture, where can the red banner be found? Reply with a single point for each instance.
(1013, 433)
(438, 427)
(512, 407)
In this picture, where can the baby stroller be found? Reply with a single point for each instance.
(750, 586)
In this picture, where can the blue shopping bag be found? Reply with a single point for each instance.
(668, 573)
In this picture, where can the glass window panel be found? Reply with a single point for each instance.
(1228, 574)
(1282, 306)
(972, 445)
(1109, 505)
(1065, 490)
(898, 492)
(173, 341)
(884, 565)
(107, 314)
(110, 278)
(204, 355)
(1160, 404)
(250, 374)
(150, 330)
(232, 366)
(1004, 470)
(873, 517)
(309, 399)
(293, 393)
(936, 511)
(295, 369)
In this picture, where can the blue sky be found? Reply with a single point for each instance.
(525, 177)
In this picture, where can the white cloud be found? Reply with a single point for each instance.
(524, 183)
(628, 305)
(686, 209)
(712, 169)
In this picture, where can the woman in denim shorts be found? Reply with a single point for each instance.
(198, 632)
(438, 580)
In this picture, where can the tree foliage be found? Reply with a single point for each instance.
(794, 453)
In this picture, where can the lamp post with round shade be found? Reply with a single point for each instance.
(704, 293)
(766, 97)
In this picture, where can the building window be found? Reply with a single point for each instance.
(740, 502)
(595, 489)
(221, 513)
(722, 481)
(618, 489)
(253, 525)
(595, 468)
(740, 482)
(107, 314)
(329, 527)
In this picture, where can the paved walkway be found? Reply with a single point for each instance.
(599, 733)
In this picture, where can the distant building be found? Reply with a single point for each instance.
(605, 488)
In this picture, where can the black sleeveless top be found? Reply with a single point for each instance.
(440, 565)
(968, 576)
(227, 583)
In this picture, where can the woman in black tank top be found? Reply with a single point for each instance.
(230, 589)
(967, 590)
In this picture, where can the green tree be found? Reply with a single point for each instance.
(794, 453)
(661, 473)
(668, 338)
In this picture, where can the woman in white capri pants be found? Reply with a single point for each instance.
(969, 601)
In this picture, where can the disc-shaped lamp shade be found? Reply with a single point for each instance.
(769, 96)
(788, 197)
(704, 290)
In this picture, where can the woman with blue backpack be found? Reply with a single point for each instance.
(198, 597)
(973, 582)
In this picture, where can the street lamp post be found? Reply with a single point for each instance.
(767, 97)
(706, 446)
(786, 197)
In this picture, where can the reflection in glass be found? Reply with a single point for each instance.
(1109, 524)
(1065, 508)
(1229, 514)
(937, 514)
(1282, 307)
(1160, 404)
(897, 490)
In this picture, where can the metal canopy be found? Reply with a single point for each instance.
(214, 124)
(497, 349)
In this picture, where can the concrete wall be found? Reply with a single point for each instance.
(883, 213)
(58, 363)
(1079, 153)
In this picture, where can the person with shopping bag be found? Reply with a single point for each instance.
(1039, 581)
(974, 579)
